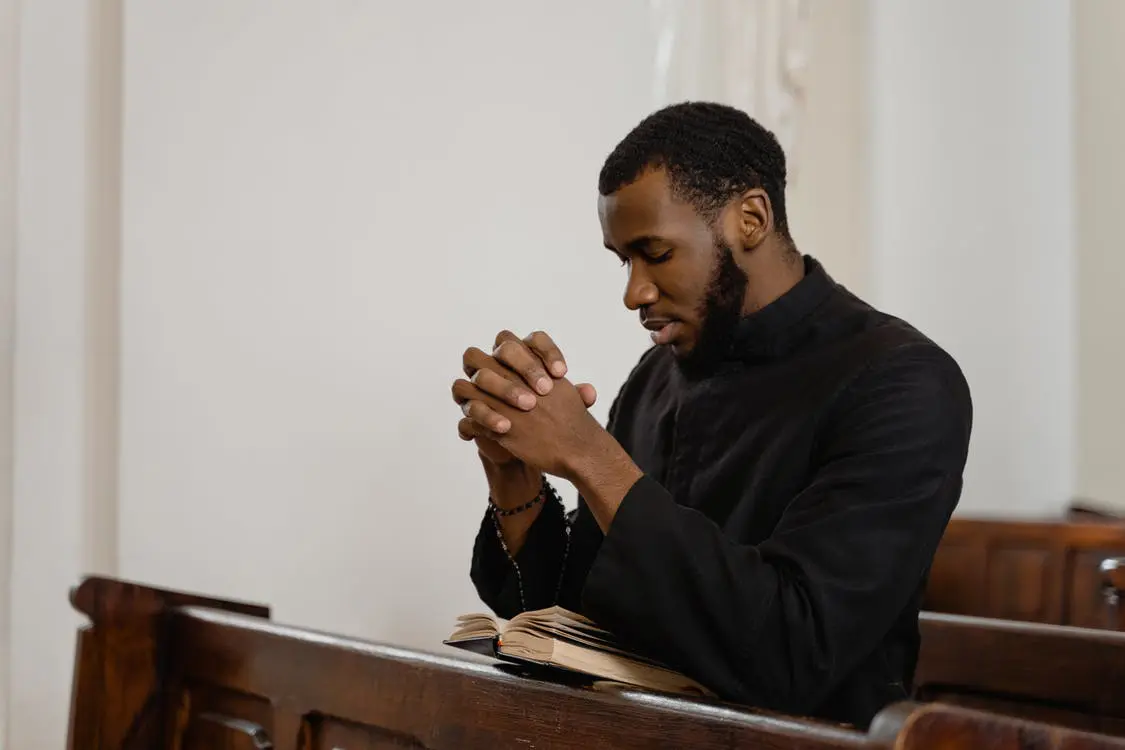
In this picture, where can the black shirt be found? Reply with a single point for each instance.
(778, 545)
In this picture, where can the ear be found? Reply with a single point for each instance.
(755, 217)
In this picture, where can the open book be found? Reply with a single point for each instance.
(559, 638)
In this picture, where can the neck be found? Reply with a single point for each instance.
(770, 276)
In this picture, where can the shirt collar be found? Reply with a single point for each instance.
(776, 329)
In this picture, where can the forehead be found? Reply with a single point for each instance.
(644, 208)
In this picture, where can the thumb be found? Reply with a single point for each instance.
(588, 393)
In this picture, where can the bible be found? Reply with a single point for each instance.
(560, 639)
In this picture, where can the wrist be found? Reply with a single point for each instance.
(603, 476)
(545, 491)
(600, 452)
(511, 488)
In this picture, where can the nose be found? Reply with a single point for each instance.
(639, 290)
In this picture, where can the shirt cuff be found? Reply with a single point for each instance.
(646, 510)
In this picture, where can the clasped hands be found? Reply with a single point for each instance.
(519, 407)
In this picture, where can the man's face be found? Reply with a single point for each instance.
(683, 278)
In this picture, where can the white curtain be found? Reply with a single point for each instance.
(750, 54)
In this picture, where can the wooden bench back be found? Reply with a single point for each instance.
(159, 669)
(1061, 675)
(937, 726)
(119, 663)
(209, 675)
(320, 691)
(1026, 570)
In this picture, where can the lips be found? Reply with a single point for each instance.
(664, 330)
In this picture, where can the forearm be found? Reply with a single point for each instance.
(514, 529)
(604, 474)
(509, 490)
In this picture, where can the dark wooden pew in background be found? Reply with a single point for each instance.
(1034, 571)
(159, 669)
(1072, 677)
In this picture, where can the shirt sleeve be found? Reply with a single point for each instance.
(781, 623)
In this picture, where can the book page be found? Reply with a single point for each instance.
(475, 625)
(616, 665)
(560, 624)
(567, 639)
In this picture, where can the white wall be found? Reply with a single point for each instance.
(323, 205)
(311, 237)
(972, 236)
(828, 203)
(9, 55)
(49, 334)
(1099, 27)
(64, 322)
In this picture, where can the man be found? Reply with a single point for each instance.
(763, 509)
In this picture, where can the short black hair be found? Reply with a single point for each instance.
(711, 152)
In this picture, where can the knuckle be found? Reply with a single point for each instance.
(546, 347)
(480, 413)
(489, 382)
(508, 351)
(472, 360)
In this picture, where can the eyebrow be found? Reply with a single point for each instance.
(638, 244)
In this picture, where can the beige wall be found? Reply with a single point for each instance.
(828, 195)
(282, 265)
(972, 236)
(8, 97)
(63, 320)
(1100, 162)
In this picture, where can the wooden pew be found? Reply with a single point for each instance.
(1036, 571)
(163, 669)
(1073, 677)
(942, 727)
(159, 669)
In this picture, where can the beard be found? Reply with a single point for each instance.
(719, 313)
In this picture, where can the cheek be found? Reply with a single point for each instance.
(684, 287)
